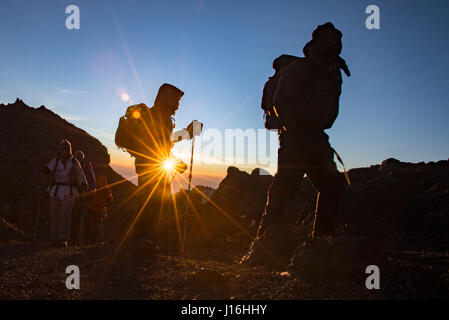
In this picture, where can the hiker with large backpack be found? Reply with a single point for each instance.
(305, 103)
(67, 181)
(147, 135)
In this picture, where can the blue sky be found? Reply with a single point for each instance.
(219, 53)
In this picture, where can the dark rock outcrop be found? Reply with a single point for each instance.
(243, 195)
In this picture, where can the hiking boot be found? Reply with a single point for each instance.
(272, 248)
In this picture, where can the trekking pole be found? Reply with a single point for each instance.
(36, 222)
(189, 187)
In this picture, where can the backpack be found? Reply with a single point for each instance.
(127, 133)
(271, 117)
(272, 121)
(313, 91)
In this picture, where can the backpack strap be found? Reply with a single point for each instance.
(344, 169)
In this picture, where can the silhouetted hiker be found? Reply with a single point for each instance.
(88, 170)
(307, 102)
(67, 178)
(146, 134)
(96, 213)
(80, 207)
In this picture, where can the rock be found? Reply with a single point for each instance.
(335, 258)
(388, 164)
(208, 282)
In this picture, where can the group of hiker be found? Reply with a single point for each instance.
(78, 198)
(300, 101)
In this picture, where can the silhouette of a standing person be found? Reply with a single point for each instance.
(307, 100)
(150, 133)
(67, 182)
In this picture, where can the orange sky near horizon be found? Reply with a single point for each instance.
(206, 174)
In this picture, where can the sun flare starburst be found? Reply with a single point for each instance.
(168, 165)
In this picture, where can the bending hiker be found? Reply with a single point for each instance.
(96, 213)
(146, 133)
(80, 207)
(306, 101)
(66, 178)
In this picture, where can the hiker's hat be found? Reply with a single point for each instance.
(80, 155)
(326, 30)
(65, 145)
(168, 94)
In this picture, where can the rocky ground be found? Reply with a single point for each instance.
(36, 271)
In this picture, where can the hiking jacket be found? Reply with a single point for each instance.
(66, 178)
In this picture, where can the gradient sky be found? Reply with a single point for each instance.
(220, 54)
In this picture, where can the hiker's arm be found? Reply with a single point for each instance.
(48, 169)
(179, 135)
(193, 129)
(45, 175)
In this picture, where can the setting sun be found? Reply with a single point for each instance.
(169, 165)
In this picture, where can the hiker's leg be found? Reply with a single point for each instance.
(331, 186)
(55, 207)
(65, 219)
(285, 184)
(159, 220)
(145, 171)
(274, 241)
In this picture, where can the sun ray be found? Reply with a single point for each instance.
(223, 212)
(178, 227)
(195, 211)
(128, 231)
